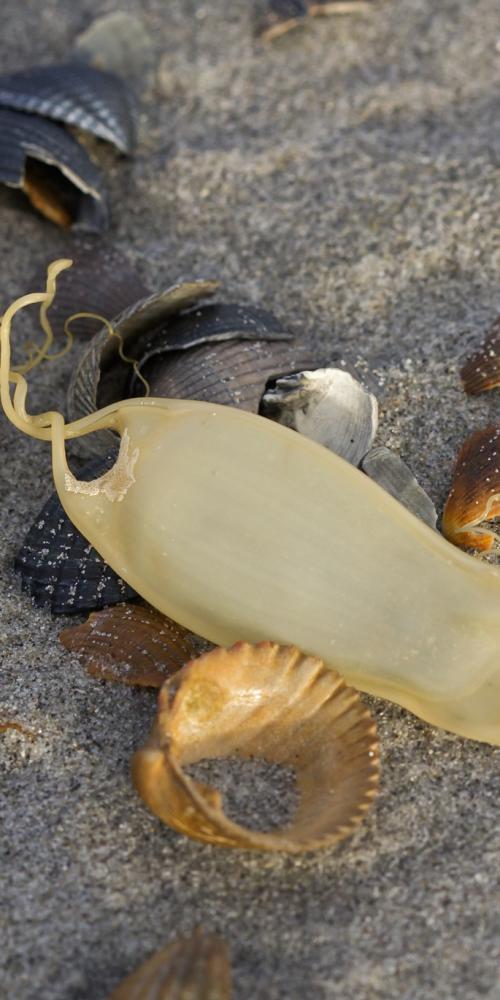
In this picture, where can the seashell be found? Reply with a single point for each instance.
(270, 702)
(234, 373)
(235, 527)
(327, 405)
(393, 475)
(474, 498)
(102, 375)
(482, 372)
(193, 968)
(52, 169)
(131, 643)
(76, 94)
(275, 17)
(102, 282)
(117, 42)
(60, 569)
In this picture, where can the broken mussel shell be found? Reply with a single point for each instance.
(58, 566)
(275, 17)
(132, 644)
(270, 702)
(52, 169)
(327, 405)
(191, 968)
(482, 372)
(101, 282)
(154, 336)
(75, 94)
(474, 498)
(392, 474)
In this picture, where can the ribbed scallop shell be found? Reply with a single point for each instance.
(270, 702)
(194, 968)
(482, 372)
(25, 137)
(76, 94)
(474, 498)
(132, 644)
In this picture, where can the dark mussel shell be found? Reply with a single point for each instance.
(482, 372)
(58, 566)
(275, 17)
(194, 968)
(76, 94)
(101, 281)
(52, 168)
(234, 373)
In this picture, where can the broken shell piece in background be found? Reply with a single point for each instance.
(193, 968)
(270, 702)
(482, 372)
(276, 17)
(474, 498)
(132, 644)
(327, 405)
(393, 475)
(117, 42)
(60, 569)
(75, 94)
(53, 170)
(322, 7)
(101, 281)
(234, 373)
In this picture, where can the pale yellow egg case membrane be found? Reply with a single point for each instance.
(241, 529)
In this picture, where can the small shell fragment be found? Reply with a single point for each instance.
(270, 702)
(75, 94)
(327, 405)
(482, 372)
(474, 498)
(132, 644)
(118, 42)
(233, 373)
(7, 723)
(322, 7)
(193, 968)
(51, 167)
(60, 569)
(393, 475)
(276, 17)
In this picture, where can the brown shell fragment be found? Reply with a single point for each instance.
(482, 372)
(474, 498)
(7, 723)
(319, 8)
(193, 968)
(234, 373)
(276, 17)
(264, 701)
(132, 644)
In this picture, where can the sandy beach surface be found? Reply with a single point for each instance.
(345, 177)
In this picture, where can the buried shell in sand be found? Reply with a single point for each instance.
(191, 968)
(269, 702)
(474, 498)
(235, 526)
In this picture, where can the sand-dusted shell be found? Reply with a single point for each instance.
(101, 281)
(327, 405)
(270, 702)
(51, 167)
(392, 474)
(132, 644)
(233, 373)
(474, 498)
(76, 94)
(482, 372)
(275, 17)
(101, 375)
(193, 968)
(60, 569)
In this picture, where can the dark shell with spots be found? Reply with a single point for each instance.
(482, 372)
(58, 566)
(76, 94)
(474, 498)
